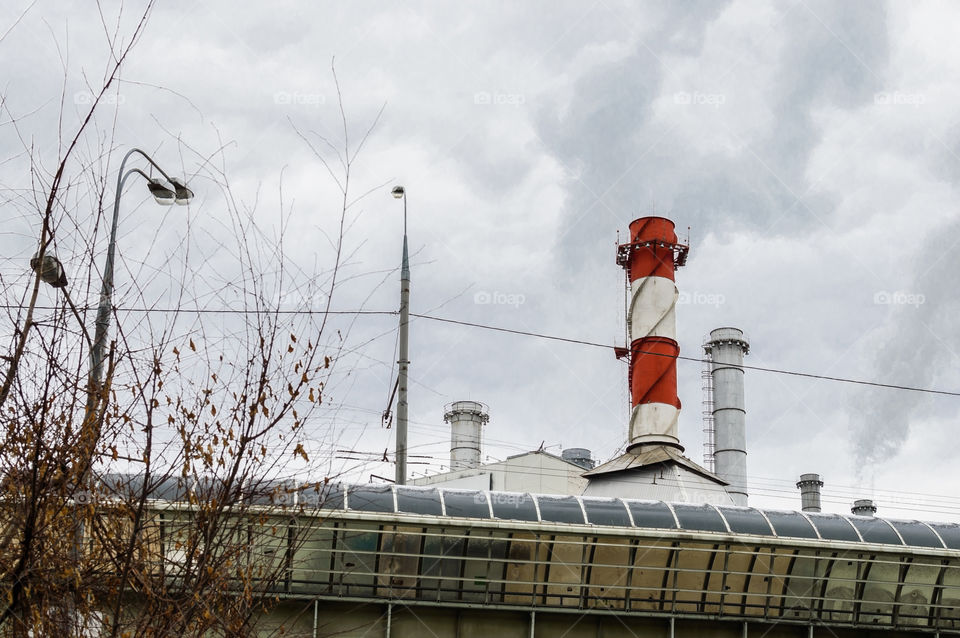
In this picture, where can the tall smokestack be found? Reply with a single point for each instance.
(726, 347)
(466, 418)
(653, 466)
(810, 485)
(650, 259)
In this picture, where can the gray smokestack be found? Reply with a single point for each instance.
(466, 418)
(726, 347)
(810, 485)
(863, 507)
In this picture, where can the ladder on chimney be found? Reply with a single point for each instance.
(709, 432)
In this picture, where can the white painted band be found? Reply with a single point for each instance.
(654, 422)
(652, 311)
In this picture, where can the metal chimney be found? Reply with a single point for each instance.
(578, 456)
(726, 348)
(863, 507)
(466, 418)
(650, 259)
(810, 485)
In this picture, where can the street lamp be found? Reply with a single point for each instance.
(51, 270)
(404, 362)
(165, 196)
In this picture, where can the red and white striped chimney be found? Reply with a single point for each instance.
(650, 259)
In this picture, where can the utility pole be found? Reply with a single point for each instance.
(404, 361)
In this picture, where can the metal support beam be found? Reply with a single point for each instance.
(533, 622)
(389, 619)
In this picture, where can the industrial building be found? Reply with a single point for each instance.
(395, 561)
(537, 472)
(655, 544)
(648, 544)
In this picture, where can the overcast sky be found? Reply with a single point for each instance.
(812, 148)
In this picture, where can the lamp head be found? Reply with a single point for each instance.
(50, 270)
(183, 194)
(163, 195)
(398, 192)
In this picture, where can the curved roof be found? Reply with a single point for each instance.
(617, 512)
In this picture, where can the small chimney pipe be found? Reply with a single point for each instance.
(466, 418)
(810, 485)
(864, 507)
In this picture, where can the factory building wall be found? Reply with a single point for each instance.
(534, 472)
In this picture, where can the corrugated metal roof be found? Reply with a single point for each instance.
(648, 456)
(608, 512)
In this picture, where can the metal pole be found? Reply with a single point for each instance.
(106, 290)
(401, 478)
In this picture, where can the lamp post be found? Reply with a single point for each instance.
(165, 196)
(401, 478)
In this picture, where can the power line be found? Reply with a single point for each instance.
(808, 375)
